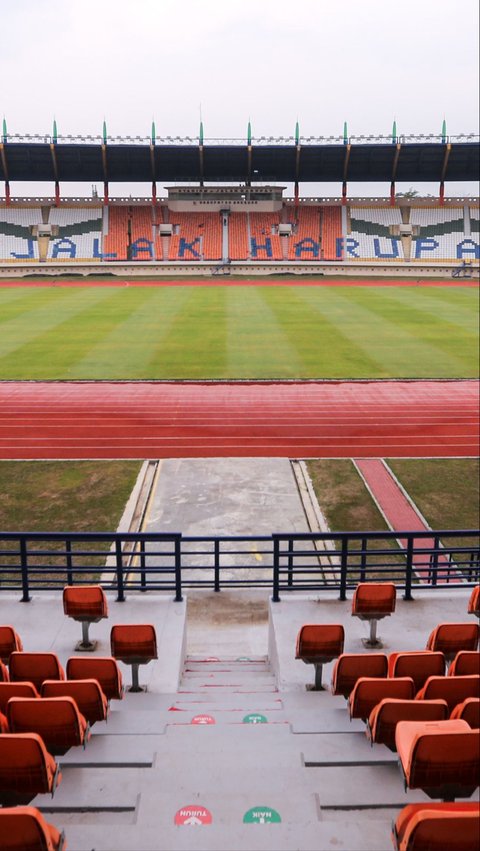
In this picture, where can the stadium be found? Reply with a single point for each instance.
(239, 430)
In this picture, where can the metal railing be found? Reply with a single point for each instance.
(281, 562)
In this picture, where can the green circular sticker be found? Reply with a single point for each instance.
(261, 815)
(255, 718)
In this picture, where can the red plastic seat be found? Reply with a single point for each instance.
(349, 667)
(8, 690)
(369, 691)
(452, 689)
(35, 668)
(474, 602)
(26, 769)
(437, 827)
(419, 665)
(449, 638)
(4, 728)
(87, 694)
(318, 644)
(468, 711)
(440, 757)
(466, 662)
(9, 641)
(371, 602)
(135, 645)
(385, 716)
(86, 604)
(25, 829)
(4, 675)
(104, 669)
(56, 719)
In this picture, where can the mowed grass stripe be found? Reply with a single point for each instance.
(449, 310)
(16, 300)
(377, 328)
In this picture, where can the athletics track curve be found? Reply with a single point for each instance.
(47, 420)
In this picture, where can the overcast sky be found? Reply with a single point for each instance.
(272, 61)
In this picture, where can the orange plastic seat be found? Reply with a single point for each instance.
(437, 827)
(369, 691)
(56, 719)
(87, 694)
(466, 662)
(25, 829)
(135, 645)
(86, 604)
(385, 716)
(4, 675)
(449, 638)
(26, 769)
(440, 757)
(419, 665)
(4, 728)
(371, 602)
(8, 690)
(35, 668)
(474, 602)
(468, 711)
(452, 689)
(318, 644)
(104, 669)
(349, 667)
(9, 641)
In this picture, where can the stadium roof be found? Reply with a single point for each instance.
(185, 160)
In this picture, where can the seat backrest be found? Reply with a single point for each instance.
(419, 665)
(474, 602)
(101, 668)
(452, 689)
(438, 827)
(449, 638)
(8, 690)
(133, 641)
(9, 641)
(25, 765)
(385, 716)
(466, 662)
(4, 675)
(349, 667)
(56, 719)
(87, 694)
(372, 597)
(469, 711)
(85, 602)
(4, 728)
(369, 691)
(35, 668)
(320, 641)
(27, 830)
(435, 754)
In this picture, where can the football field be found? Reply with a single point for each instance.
(234, 332)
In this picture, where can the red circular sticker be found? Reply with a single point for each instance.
(193, 814)
(202, 719)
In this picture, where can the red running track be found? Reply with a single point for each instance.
(183, 420)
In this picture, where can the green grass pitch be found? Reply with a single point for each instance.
(220, 332)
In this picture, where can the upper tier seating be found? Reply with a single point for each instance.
(101, 668)
(465, 662)
(371, 602)
(449, 638)
(469, 711)
(437, 827)
(16, 241)
(441, 234)
(318, 644)
(115, 242)
(56, 719)
(370, 236)
(199, 236)
(238, 247)
(369, 691)
(79, 233)
(385, 716)
(264, 239)
(141, 234)
(135, 645)
(474, 602)
(419, 665)
(331, 231)
(452, 689)
(349, 667)
(87, 604)
(440, 757)
(87, 694)
(304, 243)
(35, 668)
(9, 641)
(26, 768)
(25, 829)
(8, 690)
